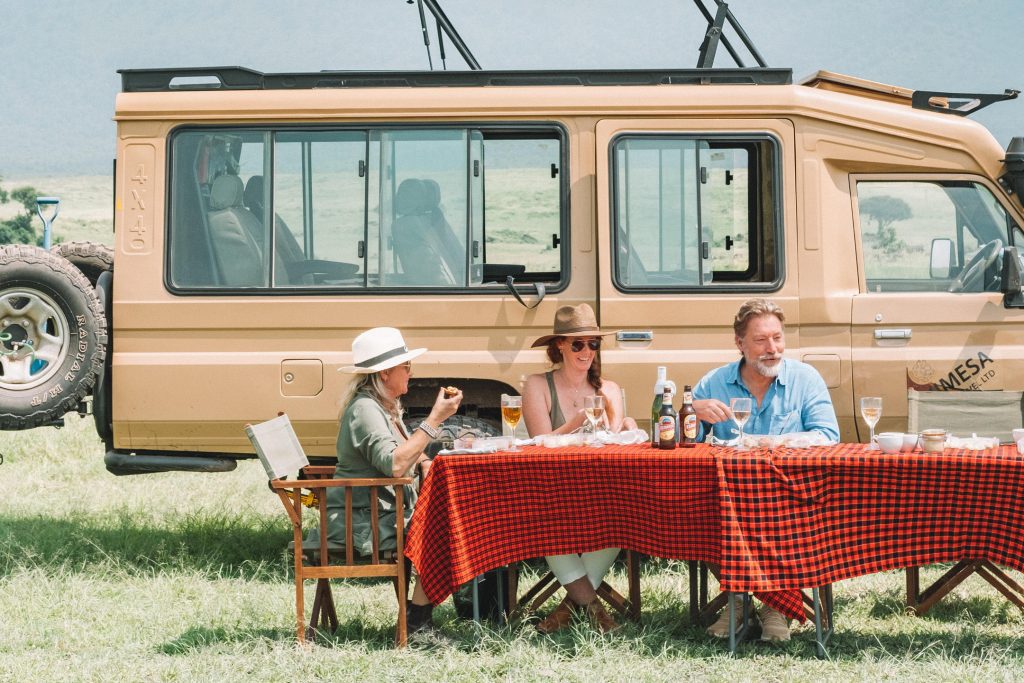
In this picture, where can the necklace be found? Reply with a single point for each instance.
(575, 390)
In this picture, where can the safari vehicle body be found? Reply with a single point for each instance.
(264, 222)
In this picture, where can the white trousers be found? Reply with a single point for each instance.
(593, 565)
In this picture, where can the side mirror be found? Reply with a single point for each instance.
(1013, 292)
(943, 259)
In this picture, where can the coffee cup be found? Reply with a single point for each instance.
(890, 442)
(933, 440)
(910, 442)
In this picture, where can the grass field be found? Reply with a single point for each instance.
(184, 577)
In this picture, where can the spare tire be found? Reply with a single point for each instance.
(53, 337)
(451, 429)
(92, 258)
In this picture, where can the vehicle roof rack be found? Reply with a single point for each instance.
(240, 78)
(958, 103)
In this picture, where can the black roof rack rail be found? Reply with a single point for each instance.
(958, 103)
(239, 78)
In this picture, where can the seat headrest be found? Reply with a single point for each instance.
(253, 195)
(415, 197)
(226, 192)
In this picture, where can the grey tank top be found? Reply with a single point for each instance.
(557, 419)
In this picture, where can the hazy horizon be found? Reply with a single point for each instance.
(62, 56)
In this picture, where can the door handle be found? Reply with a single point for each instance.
(634, 336)
(893, 333)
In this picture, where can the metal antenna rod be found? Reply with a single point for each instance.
(440, 47)
(453, 35)
(426, 34)
(743, 36)
(720, 36)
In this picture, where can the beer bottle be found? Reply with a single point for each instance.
(687, 420)
(668, 425)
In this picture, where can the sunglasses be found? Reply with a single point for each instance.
(578, 344)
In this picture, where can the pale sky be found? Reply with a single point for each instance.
(59, 57)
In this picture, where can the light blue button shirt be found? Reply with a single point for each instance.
(797, 401)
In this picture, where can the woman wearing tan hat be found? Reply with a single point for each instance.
(553, 403)
(374, 442)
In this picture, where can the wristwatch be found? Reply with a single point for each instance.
(433, 432)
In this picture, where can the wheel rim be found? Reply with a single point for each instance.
(33, 339)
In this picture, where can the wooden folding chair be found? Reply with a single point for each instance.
(324, 561)
(541, 592)
(919, 602)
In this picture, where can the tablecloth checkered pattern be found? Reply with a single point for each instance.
(478, 512)
(799, 518)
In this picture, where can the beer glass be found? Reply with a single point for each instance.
(511, 413)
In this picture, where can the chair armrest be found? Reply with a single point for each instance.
(318, 470)
(338, 483)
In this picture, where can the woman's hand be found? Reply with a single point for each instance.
(444, 407)
(576, 421)
(712, 411)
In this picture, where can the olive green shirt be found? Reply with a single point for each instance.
(366, 445)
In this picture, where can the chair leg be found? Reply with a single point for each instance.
(323, 613)
(401, 627)
(300, 609)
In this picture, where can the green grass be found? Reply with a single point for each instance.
(185, 577)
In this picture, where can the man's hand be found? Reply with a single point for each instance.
(712, 411)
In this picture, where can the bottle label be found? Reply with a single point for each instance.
(690, 427)
(667, 428)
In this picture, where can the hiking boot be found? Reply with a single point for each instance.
(720, 629)
(559, 618)
(774, 625)
(600, 618)
(418, 617)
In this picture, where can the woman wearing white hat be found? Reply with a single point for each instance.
(374, 442)
(553, 403)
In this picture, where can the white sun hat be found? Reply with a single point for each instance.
(379, 349)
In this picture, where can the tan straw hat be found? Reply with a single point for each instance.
(379, 349)
(573, 321)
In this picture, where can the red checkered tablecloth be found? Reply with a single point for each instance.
(478, 512)
(799, 518)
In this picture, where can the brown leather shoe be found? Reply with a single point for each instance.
(600, 618)
(559, 618)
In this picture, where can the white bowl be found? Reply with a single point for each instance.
(890, 442)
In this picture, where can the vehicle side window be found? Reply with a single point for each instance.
(695, 212)
(410, 208)
(922, 236)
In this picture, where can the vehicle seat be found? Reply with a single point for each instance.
(286, 248)
(234, 231)
(427, 248)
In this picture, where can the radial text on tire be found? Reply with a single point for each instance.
(53, 337)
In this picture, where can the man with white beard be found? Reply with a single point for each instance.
(786, 396)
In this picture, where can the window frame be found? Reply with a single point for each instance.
(555, 129)
(754, 211)
(1013, 229)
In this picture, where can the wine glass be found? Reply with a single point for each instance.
(593, 407)
(871, 411)
(511, 413)
(740, 408)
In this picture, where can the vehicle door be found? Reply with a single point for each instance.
(929, 316)
(692, 222)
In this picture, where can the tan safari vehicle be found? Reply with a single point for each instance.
(263, 220)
